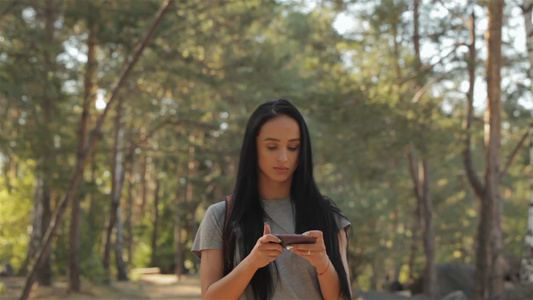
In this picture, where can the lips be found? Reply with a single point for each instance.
(281, 169)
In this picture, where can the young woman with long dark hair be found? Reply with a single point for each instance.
(275, 193)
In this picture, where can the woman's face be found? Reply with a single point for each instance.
(278, 149)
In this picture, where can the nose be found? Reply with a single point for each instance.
(283, 156)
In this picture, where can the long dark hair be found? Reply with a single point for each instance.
(312, 210)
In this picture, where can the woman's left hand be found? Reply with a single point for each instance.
(314, 253)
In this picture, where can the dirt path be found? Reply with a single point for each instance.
(167, 287)
(153, 286)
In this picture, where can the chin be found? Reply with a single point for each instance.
(280, 179)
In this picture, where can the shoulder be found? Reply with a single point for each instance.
(216, 210)
(214, 216)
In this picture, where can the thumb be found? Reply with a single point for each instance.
(266, 229)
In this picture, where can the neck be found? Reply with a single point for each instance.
(269, 190)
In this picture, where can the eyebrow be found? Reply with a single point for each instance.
(277, 140)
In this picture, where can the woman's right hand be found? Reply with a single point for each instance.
(266, 250)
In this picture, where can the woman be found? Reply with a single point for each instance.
(275, 192)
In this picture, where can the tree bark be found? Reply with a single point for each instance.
(116, 192)
(47, 159)
(45, 270)
(421, 179)
(526, 266)
(179, 268)
(482, 238)
(417, 218)
(430, 276)
(129, 225)
(493, 142)
(74, 283)
(122, 268)
(108, 242)
(36, 230)
(144, 181)
(44, 250)
(155, 233)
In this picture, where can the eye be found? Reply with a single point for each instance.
(271, 147)
(294, 148)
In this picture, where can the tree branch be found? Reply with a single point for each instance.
(476, 184)
(429, 67)
(515, 151)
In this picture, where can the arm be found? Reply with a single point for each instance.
(343, 247)
(327, 275)
(214, 284)
(217, 286)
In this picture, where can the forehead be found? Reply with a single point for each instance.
(282, 127)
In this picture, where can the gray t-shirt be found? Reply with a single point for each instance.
(297, 277)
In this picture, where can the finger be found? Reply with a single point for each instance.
(308, 254)
(317, 233)
(308, 247)
(273, 246)
(270, 247)
(266, 229)
(304, 254)
(269, 238)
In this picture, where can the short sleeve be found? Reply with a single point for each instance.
(209, 234)
(342, 221)
(340, 218)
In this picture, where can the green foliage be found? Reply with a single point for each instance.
(187, 101)
(92, 268)
(15, 210)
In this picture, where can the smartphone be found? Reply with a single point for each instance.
(289, 239)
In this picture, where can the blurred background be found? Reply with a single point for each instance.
(121, 121)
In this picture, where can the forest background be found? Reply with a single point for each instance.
(395, 102)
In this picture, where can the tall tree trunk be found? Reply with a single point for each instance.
(144, 174)
(47, 158)
(191, 173)
(417, 214)
(108, 242)
(421, 181)
(44, 250)
(45, 270)
(155, 233)
(526, 267)
(179, 267)
(36, 230)
(116, 192)
(420, 176)
(122, 267)
(493, 142)
(74, 283)
(430, 276)
(415, 231)
(129, 226)
(483, 230)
